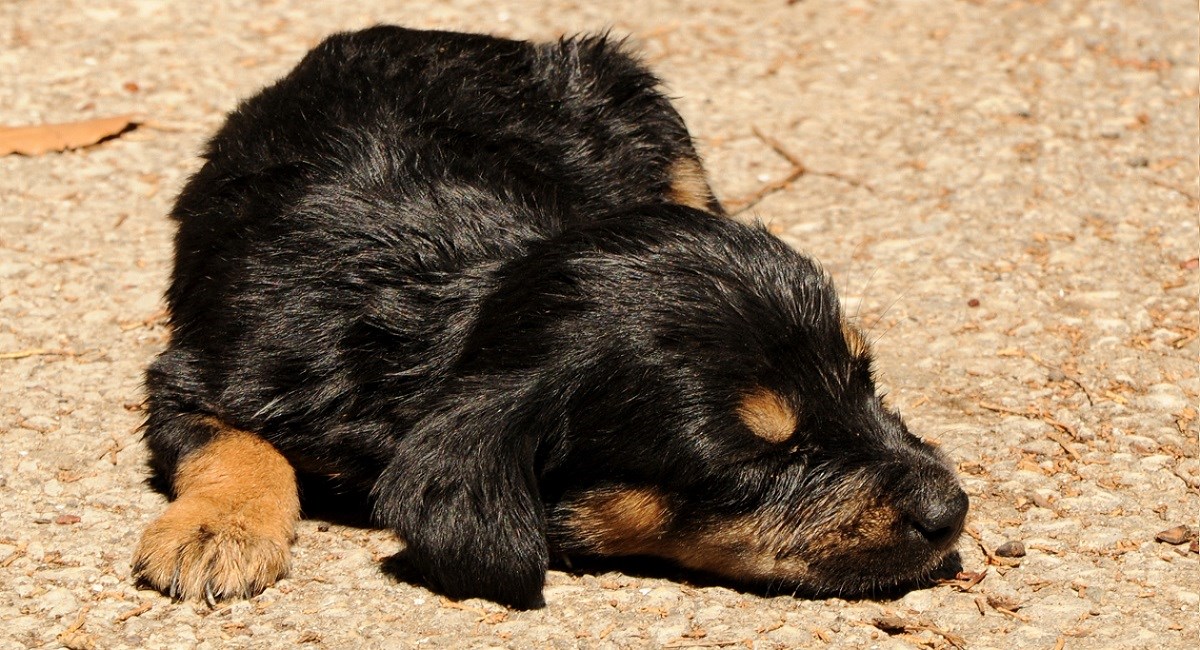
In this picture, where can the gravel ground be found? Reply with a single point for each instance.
(1006, 193)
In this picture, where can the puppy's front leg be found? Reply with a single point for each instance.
(228, 532)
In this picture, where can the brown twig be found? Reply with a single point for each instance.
(798, 165)
(12, 557)
(699, 644)
(740, 205)
(966, 580)
(992, 558)
(136, 611)
(1064, 443)
(1074, 380)
(1175, 188)
(74, 639)
(1044, 417)
(1008, 612)
(778, 148)
(32, 352)
(1003, 409)
(895, 624)
(149, 321)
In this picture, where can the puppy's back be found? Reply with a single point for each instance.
(376, 186)
(578, 122)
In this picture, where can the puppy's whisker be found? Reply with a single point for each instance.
(881, 316)
(862, 295)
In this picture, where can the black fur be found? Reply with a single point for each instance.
(443, 270)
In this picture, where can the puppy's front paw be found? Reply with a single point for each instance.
(201, 548)
(229, 533)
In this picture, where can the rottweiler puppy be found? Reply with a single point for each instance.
(482, 286)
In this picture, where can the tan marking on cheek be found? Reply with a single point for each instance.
(768, 415)
(228, 532)
(758, 548)
(689, 186)
(733, 548)
(855, 340)
(625, 521)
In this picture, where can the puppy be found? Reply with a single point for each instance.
(483, 286)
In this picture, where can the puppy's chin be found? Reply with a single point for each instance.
(863, 553)
(860, 574)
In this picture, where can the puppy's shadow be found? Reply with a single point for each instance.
(323, 500)
(399, 568)
(653, 568)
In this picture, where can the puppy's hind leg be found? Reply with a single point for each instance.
(227, 533)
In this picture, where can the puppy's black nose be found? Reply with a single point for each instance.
(939, 515)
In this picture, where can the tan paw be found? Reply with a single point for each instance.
(198, 549)
(229, 532)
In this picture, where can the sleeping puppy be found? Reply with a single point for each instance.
(483, 286)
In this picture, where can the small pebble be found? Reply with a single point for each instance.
(1011, 549)
(890, 624)
(1177, 535)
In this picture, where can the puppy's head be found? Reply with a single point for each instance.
(730, 422)
(689, 389)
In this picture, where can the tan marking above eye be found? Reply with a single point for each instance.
(855, 340)
(768, 415)
(688, 184)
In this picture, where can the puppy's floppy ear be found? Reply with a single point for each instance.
(462, 492)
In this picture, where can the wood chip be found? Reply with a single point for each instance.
(1178, 535)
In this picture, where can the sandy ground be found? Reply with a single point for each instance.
(1005, 191)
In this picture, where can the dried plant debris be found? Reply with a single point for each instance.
(1177, 535)
(893, 624)
(44, 138)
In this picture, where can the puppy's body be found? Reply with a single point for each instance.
(458, 277)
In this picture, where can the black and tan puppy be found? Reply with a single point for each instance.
(483, 286)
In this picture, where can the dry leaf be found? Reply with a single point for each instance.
(35, 140)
